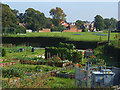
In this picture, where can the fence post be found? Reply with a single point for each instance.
(87, 75)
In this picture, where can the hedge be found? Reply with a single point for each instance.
(47, 42)
(64, 51)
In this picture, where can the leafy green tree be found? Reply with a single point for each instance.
(110, 23)
(113, 23)
(21, 17)
(34, 19)
(48, 23)
(16, 12)
(20, 29)
(99, 22)
(79, 24)
(56, 22)
(9, 19)
(58, 28)
(58, 15)
(107, 23)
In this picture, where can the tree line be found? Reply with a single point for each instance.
(36, 20)
(100, 23)
(31, 19)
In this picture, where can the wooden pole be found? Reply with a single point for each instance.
(109, 37)
(109, 34)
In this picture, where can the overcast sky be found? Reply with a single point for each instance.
(73, 10)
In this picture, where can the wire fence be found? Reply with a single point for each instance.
(82, 77)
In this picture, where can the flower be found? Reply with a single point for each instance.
(93, 56)
(79, 65)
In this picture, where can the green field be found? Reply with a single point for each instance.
(86, 36)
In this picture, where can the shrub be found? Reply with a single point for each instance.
(3, 52)
(99, 50)
(76, 56)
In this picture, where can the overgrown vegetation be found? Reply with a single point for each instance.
(109, 54)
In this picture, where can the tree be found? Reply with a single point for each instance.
(90, 26)
(56, 22)
(21, 17)
(80, 24)
(99, 22)
(48, 23)
(9, 19)
(3, 52)
(118, 25)
(58, 28)
(110, 23)
(16, 12)
(34, 19)
(107, 23)
(57, 15)
(113, 23)
(20, 29)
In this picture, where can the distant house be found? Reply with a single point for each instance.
(86, 25)
(28, 30)
(64, 23)
(73, 28)
(21, 24)
(45, 30)
(92, 27)
(70, 27)
(71, 23)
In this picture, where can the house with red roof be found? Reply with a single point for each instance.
(21, 24)
(64, 23)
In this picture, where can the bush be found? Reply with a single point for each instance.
(3, 52)
(55, 59)
(65, 45)
(76, 56)
(99, 50)
(63, 51)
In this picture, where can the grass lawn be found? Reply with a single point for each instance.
(86, 36)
